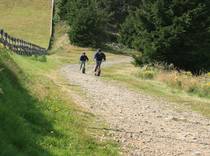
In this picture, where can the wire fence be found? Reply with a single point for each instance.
(20, 46)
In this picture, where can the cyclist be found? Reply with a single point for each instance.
(83, 60)
(99, 57)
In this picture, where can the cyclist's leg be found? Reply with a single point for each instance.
(83, 68)
(98, 69)
(82, 64)
(97, 65)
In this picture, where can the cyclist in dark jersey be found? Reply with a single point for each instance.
(99, 57)
(83, 60)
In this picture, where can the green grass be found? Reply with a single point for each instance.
(27, 19)
(127, 75)
(39, 119)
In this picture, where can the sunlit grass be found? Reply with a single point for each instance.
(27, 19)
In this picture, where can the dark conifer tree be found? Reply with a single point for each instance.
(88, 22)
(171, 31)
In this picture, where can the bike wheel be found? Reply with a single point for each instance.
(83, 70)
(98, 72)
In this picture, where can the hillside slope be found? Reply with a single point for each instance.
(21, 119)
(36, 117)
(28, 20)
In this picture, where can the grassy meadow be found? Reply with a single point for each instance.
(29, 20)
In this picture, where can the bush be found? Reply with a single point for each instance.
(42, 58)
(206, 90)
(147, 72)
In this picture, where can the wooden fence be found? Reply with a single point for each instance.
(19, 46)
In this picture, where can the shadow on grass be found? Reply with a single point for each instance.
(22, 125)
(52, 126)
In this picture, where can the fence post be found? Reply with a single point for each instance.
(1, 35)
(52, 24)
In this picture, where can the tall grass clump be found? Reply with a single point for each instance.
(147, 72)
(182, 80)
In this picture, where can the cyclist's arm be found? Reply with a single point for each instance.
(104, 57)
(80, 58)
(87, 58)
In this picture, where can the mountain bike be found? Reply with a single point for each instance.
(98, 71)
(83, 70)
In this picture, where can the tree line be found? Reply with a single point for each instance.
(170, 31)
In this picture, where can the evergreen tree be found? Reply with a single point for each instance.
(172, 31)
(63, 9)
(88, 22)
(119, 9)
(94, 21)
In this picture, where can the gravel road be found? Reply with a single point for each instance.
(144, 125)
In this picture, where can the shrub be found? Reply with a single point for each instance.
(206, 90)
(147, 72)
(187, 73)
(42, 58)
(192, 89)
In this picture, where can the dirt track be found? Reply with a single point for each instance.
(144, 125)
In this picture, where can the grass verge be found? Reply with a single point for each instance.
(37, 117)
(128, 75)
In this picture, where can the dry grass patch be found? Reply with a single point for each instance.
(198, 85)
